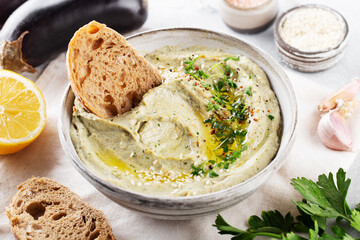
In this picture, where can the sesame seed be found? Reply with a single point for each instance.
(175, 191)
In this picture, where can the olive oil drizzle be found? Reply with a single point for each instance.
(228, 122)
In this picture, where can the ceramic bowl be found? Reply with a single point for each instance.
(193, 206)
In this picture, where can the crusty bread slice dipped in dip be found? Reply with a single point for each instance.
(105, 72)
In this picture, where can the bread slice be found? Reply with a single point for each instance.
(45, 209)
(105, 72)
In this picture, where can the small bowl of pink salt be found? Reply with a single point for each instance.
(248, 16)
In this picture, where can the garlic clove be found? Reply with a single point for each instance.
(346, 93)
(348, 108)
(334, 132)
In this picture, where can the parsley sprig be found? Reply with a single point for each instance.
(323, 200)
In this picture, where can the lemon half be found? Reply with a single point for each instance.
(22, 112)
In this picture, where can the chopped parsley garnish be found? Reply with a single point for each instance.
(212, 174)
(205, 85)
(197, 170)
(228, 58)
(202, 74)
(248, 91)
(212, 106)
(190, 64)
(231, 83)
(271, 117)
(197, 73)
(229, 118)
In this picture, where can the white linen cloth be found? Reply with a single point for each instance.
(46, 158)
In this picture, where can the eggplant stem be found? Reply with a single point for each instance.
(11, 56)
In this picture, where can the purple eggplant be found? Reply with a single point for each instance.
(51, 24)
(7, 7)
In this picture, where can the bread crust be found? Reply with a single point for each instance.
(106, 74)
(44, 209)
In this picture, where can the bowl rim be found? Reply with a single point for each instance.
(110, 187)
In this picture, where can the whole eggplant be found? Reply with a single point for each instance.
(7, 7)
(52, 23)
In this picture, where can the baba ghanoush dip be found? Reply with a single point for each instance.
(212, 124)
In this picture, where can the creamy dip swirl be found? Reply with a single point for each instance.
(175, 143)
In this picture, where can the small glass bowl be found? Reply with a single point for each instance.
(310, 61)
(251, 19)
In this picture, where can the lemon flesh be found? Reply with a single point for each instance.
(22, 112)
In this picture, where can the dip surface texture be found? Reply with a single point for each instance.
(212, 124)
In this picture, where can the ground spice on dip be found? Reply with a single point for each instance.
(312, 29)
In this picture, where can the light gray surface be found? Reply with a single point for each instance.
(204, 14)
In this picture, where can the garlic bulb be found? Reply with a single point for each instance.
(346, 93)
(334, 131)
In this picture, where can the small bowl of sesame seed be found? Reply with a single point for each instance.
(311, 38)
(177, 207)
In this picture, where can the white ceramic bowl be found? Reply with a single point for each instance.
(193, 206)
